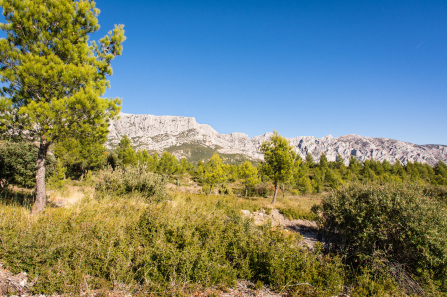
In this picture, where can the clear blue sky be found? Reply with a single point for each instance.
(373, 68)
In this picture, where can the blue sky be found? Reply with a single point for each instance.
(373, 68)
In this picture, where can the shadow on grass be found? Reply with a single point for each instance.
(17, 196)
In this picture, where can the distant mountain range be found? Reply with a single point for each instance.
(184, 137)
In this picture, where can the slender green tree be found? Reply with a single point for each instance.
(126, 153)
(323, 161)
(53, 76)
(279, 157)
(168, 164)
(184, 166)
(310, 160)
(249, 175)
(153, 162)
(214, 171)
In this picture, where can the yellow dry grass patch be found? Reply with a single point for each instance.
(69, 195)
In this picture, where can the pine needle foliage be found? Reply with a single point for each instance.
(53, 77)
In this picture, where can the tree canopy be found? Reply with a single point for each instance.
(279, 157)
(53, 76)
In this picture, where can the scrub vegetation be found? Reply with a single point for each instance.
(146, 224)
(138, 229)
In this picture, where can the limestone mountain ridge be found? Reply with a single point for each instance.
(183, 136)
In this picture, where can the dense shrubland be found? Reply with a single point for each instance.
(131, 180)
(400, 229)
(18, 164)
(180, 244)
(382, 226)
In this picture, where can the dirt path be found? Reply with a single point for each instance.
(307, 229)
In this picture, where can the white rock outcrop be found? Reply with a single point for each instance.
(157, 133)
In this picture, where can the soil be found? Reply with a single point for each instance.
(306, 228)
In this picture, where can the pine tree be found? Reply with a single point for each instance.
(214, 171)
(310, 160)
(279, 157)
(168, 164)
(323, 161)
(53, 76)
(249, 175)
(126, 154)
(80, 155)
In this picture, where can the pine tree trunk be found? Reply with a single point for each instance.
(211, 189)
(283, 190)
(41, 196)
(246, 191)
(276, 190)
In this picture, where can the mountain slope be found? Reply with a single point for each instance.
(184, 137)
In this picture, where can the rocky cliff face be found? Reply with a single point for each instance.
(158, 133)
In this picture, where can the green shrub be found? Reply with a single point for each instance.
(437, 192)
(18, 164)
(225, 190)
(131, 179)
(206, 189)
(297, 214)
(71, 249)
(404, 225)
(98, 244)
(212, 244)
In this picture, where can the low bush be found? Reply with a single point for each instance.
(437, 192)
(131, 179)
(297, 214)
(18, 164)
(400, 223)
(212, 244)
(100, 244)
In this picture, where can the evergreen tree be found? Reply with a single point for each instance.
(249, 175)
(354, 168)
(80, 155)
(18, 164)
(333, 178)
(168, 164)
(323, 161)
(318, 180)
(305, 185)
(341, 167)
(53, 77)
(279, 157)
(310, 160)
(143, 157)
(153, 163)
(126, 154)
(214, 171)
(184, 166)
(440, 174)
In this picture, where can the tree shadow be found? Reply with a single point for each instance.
(17, 197)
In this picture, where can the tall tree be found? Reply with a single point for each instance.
(126, 153)
(310, 160)
(249, 175)
(323, 161)
(80, 155)
(214, 171)
(168, 164)
(279, 157)
(53, 76)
